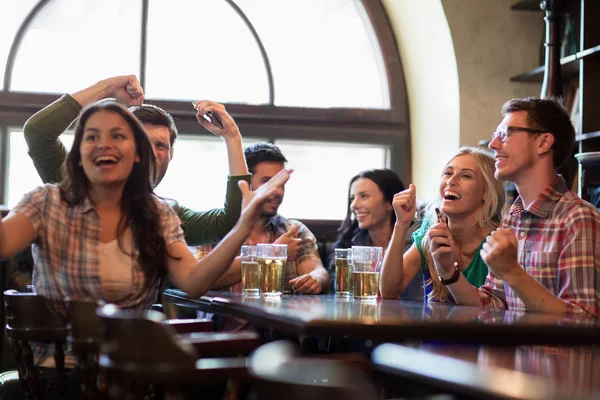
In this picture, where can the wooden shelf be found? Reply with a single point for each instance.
(589, 135)
(526, 5)
(569, 67)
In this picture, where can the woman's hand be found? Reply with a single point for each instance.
(443, 249)
(405, 205)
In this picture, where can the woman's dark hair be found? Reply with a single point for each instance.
(388, 182)
(138, 207)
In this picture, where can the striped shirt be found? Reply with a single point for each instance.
(559, 246)
(66, 250)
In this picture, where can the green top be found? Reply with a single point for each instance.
(475, 273)
(42, 132)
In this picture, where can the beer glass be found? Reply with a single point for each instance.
(366, 264)
(250, 272)
(343, 272)
(272, 259)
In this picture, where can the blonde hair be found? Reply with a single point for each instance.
(487, 216)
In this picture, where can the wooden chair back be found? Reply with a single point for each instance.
(29, 318)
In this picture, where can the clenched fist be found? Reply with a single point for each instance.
(405, 205)
(499, 252)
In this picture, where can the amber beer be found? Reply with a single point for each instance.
(343, 277)
(366, 265)
(250, 278)
(250, 271)
(271, 257)
(272, 271)
(365, 285)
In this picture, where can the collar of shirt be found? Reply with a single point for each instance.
(274, 223)
(86, 206)
(542, 205)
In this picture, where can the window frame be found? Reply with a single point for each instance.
(389, 127)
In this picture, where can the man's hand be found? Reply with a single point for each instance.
(305, 284)
(405, 205)
(499, 252)
(126, 89)
(443, 249)
(292, 240)
(230, 129)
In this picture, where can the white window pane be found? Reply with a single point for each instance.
(197, 174)
(22, 175)
(323, 53)
(73, 43)
(12, 14)
(202, 50)
(318, 188)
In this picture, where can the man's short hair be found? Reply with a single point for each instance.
(550, 116)
(154, 115)
(262, 152)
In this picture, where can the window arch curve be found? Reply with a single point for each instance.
(335, 116)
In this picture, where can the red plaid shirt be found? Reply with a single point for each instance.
(559, 246)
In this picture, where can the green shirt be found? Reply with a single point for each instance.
(42, 132)
(476, 271)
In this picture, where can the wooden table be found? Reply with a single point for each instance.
(394, 320)
(521, 372)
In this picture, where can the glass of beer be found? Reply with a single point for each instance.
(250, 272)
(343, 272)
(366, 265)
(272, 259)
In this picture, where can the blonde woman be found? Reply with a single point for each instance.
(465, 210)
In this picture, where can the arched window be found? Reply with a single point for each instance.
(322, 79)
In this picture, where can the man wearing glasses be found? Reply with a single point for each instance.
(546, 255)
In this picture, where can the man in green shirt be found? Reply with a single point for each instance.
(42, 132)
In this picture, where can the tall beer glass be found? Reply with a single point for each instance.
(343, 272)
(250, 272)
(366, 265)
(272, 259)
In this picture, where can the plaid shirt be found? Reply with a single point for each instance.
(65, 251)
(275, 227)
(559, 246)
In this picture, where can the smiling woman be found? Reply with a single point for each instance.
(471, 201)
(370, 217)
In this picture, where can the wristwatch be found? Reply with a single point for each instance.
(453, 278)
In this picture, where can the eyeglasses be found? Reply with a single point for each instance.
(504, 131)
